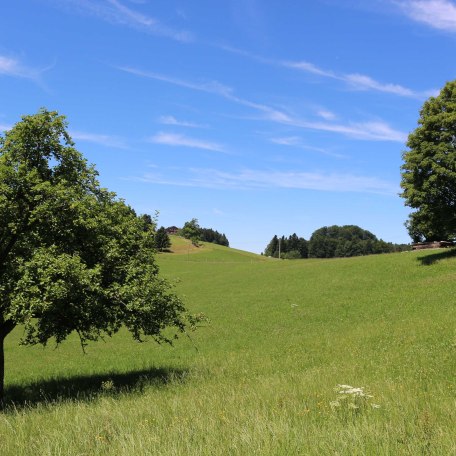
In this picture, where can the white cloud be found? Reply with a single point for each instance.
(286, 141)
(325, 114)
(355, 80)
(208, 86)
(363, 82)
(379, 131)
(438, 14)
(102, 140)
(250, 179)
(13, 67)
(115, 12)
(171, 120)
(172, 139)
(310, 68)
(358, 81)
(295, 141)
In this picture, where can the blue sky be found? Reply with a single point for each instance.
(255, 117)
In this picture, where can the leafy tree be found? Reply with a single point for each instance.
(347, 241)
(291, 255)
(192, 231)
(330, 242)
(72, 256)
(429, 169)
(161, 239)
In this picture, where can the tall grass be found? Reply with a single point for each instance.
(263, 376)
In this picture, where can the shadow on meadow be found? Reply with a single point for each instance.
(88, 387)
(428, 260)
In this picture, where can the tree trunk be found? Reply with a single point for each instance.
(5, 328)
(2, 372)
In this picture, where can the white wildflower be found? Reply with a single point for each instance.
(354, 398)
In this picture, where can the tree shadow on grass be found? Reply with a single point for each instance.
(428, 260)
(88, 387)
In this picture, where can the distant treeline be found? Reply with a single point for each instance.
(210, 235)
(330, 242)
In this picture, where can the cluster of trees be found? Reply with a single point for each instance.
(210, 235)
(292, 247)
(330, 242)
(191, 230)
(73, 257)
(348, 241)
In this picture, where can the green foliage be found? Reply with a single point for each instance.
(429, 169)
(192, 231)
(161, 239)
(72, 256)
(210, 235)
(347, 241)
(331, 242)
(148, 222)
(291, 248)
(272, 248)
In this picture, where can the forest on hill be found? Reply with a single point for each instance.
(331, 242)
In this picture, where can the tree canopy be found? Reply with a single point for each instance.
(330, 242)
(429, 169)
(73, 257)
(291, 247)
(193, 231)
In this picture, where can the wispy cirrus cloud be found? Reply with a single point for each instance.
(309, 68)
(325, 114)
(171, 120)
(296, 141)
(251, 179)
(10, 66)
(213, 87)
(438, 14)
(370, 130)
(117, 13)
(100, 139)
(356, 81)
(173, 139)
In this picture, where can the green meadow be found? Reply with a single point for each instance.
(261, 377)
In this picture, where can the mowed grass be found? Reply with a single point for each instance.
(258, 379)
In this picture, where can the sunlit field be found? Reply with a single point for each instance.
(261, 377)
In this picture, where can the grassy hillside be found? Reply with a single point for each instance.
(283, 335)
(206, 252)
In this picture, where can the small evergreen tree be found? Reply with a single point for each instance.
(272, 248)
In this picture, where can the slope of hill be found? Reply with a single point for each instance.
(181, 247)
(262, 377)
